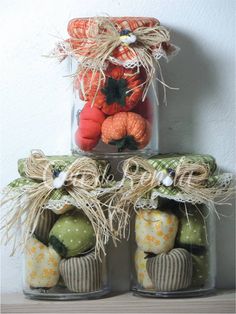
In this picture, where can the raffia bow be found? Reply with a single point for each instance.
(103, 37)
(189, 178)
(193, 181)
(79, 180)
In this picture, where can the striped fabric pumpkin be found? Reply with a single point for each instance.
(82, 274)
(45, 223)
(171, 271)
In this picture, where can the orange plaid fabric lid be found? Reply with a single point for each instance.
(79, 27)
(83, 30)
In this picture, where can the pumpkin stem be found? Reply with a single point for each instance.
(149, 255)
(126, 142)
(116, 91)
(58, 246)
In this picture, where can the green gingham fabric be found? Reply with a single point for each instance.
(171, 161)
(58, 163)
(165, 162)
(22, 182)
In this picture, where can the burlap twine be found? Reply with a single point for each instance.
(82, 177)
(101, 44)
(191, 179)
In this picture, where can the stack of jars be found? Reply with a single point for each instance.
(115, 115)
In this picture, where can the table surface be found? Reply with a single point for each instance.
(222, 302)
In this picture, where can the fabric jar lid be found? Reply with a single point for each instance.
(83, 30)
(79, 27)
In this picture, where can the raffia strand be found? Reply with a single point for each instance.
(26, 207)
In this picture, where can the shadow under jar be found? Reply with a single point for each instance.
(173, 253)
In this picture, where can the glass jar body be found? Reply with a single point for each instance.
(173, 252)
(60, 261)
(113, 118)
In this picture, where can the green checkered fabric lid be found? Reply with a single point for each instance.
(183, 178)
(57, 183)
(59, 163)
(171, 161)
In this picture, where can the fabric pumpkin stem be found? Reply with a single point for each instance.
(114, 90)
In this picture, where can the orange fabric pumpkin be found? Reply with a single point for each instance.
(90, 122)
(120, 90)
(126, 130)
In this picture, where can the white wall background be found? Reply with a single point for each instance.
(35, 98)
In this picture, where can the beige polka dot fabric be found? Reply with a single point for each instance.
(155, 230)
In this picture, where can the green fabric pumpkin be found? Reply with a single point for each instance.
(192, 230)
(72, 234)
(58, 163)
(201, 270)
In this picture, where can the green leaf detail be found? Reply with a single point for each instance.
(126, 142)
(116, 91)
(58, 246)
(149, 255)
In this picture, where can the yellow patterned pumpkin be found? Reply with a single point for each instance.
(41, 265)
(155, 230)
(141, 271)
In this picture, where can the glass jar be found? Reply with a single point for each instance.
(115, 109)
(173, 252)
(63, 237)
(60, 262)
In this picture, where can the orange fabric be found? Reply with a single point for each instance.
(125, 124)
(79, 28)
(89, 127)
(89, 83)
(145, 109)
